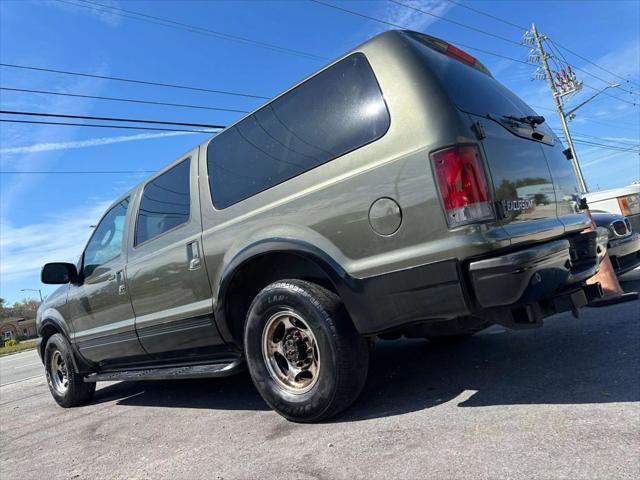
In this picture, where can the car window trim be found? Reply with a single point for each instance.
(124, 230)
(137, 213)
(267, 105)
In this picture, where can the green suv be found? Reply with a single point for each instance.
(400, 190)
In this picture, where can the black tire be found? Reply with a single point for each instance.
(343, 355)
(58, 352)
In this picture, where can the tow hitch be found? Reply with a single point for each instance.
(531, 315)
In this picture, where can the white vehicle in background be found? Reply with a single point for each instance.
(609, 209)
(623, 201)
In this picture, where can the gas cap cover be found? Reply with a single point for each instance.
(385, 216)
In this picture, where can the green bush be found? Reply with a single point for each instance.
(11, 343)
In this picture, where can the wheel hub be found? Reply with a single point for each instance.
(58, 373)
(296, 347)
(291, 352)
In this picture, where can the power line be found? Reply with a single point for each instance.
(586, 72)
(109, 119)
(520, 27)
(599, 122)
(460, 24)
(609, 95)
(119, 99)
(610, 147)
(460, 44)
(619, 150)
(597, 66)
(613, 142)
(189, 28)
(123, 127)
(557, 55)
(599, 137)
(130, 80)
(396, 25)
(506, 22)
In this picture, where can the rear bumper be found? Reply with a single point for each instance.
(625, 253)
(518, 287)
(535, 273)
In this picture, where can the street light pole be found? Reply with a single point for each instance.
(32, 290)
(571, 113)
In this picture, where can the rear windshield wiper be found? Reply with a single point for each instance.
(532, 120)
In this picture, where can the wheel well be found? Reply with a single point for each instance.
(261, 271)
(47, 331)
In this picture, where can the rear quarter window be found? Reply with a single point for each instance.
(337, 111)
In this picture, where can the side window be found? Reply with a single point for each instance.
(337, 111)
(106, 241)
(165, 204)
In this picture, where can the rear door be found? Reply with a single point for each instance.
(167, 276)
(524, 188)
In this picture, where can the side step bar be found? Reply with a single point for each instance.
(170, 373)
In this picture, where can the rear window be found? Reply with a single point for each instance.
(469, 88)
(165, 203)
(333, 113)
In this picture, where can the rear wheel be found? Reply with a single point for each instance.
(66, 386)
(305, 357)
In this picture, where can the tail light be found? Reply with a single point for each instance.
(462, 185)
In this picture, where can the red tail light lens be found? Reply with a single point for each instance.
(462, 185)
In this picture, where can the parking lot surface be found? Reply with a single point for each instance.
(558, 402)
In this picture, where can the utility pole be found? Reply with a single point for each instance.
(568, 86)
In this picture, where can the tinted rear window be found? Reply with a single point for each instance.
(165, 203)
(333, 113)
(472, 90)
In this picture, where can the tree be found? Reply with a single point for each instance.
(24, 308)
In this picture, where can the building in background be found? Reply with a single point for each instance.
(17, 328)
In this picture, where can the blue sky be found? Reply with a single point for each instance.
(45, 217)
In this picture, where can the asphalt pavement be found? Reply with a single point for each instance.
(558, 402)
(20, 366)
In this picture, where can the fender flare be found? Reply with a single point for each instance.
(340, 279)
(53, 318)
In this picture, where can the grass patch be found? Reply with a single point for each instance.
(25, 345)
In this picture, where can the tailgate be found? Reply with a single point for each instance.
(524, 189)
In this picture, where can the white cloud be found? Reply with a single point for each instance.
(61, 237)
(623, 139)
(13, 135)
(92, 142)
(103, 14)
(413, 19)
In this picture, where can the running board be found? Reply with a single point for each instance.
(170, 373)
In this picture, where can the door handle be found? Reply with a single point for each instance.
(122, 288)
(111, 277)
(193, 255)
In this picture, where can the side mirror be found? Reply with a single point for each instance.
(58, 273)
